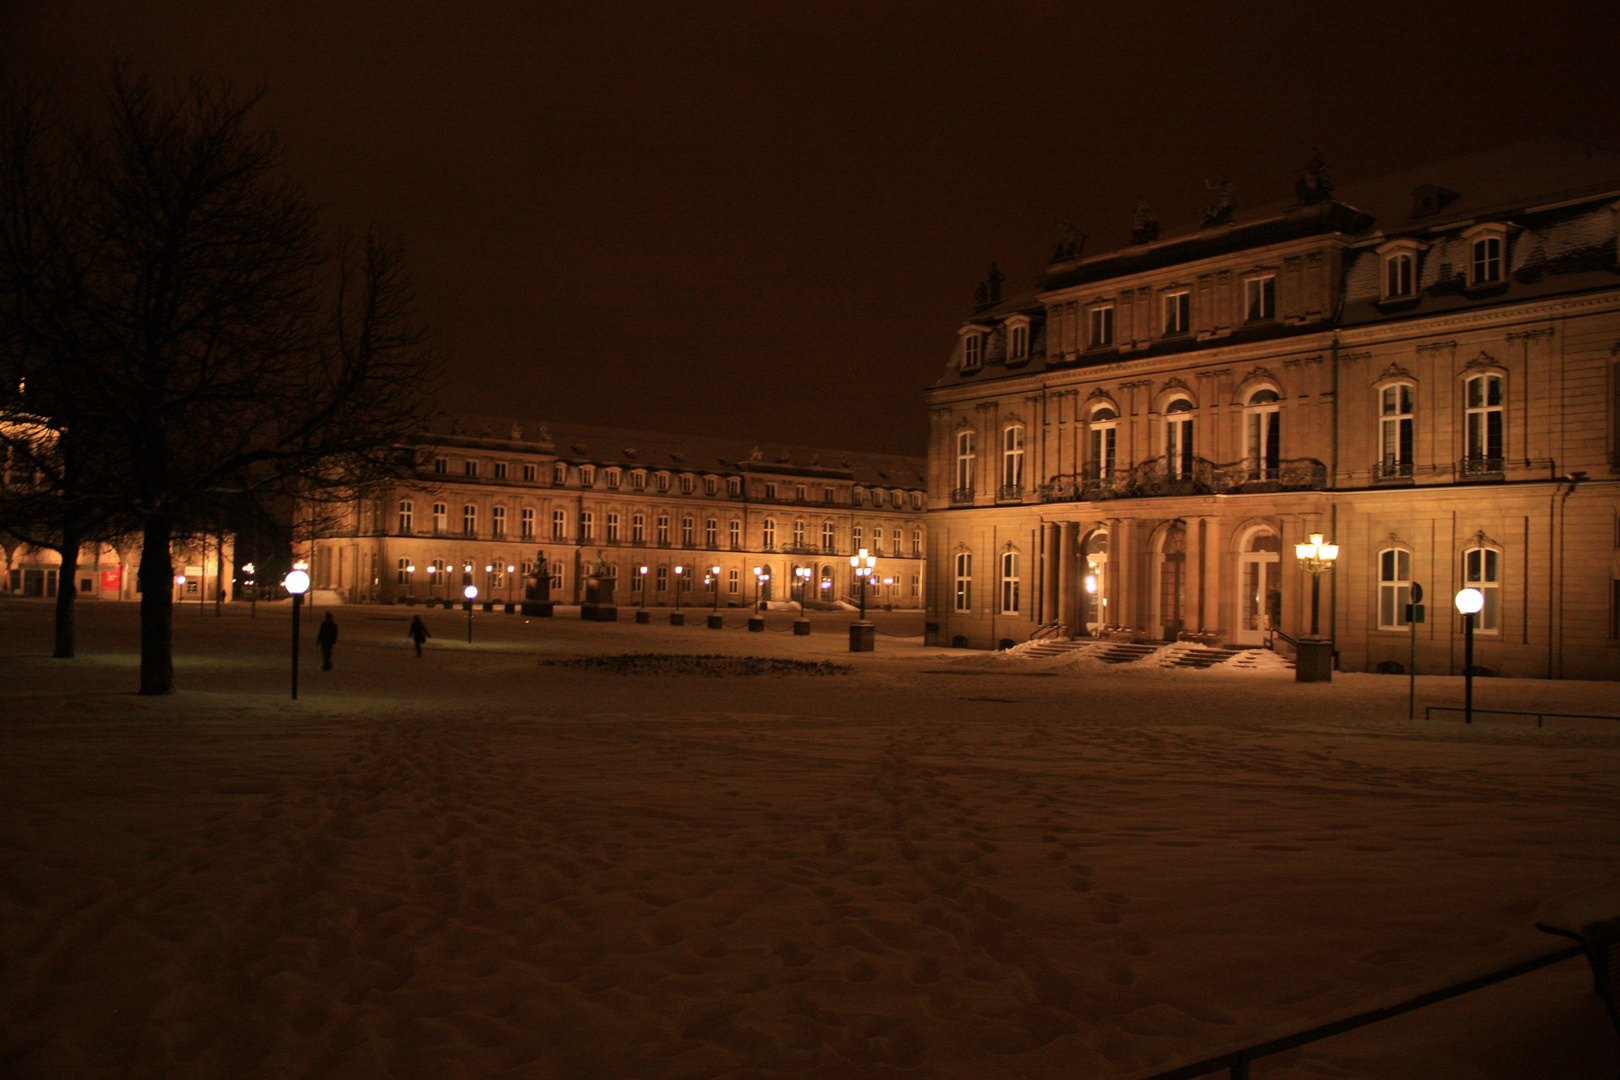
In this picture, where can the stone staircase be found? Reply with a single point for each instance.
(1122, 652)
(1201, 656)
(1041, 650)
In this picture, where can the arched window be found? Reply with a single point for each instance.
(1394, 587)
(1482, 570)
(964, 581)
(1178, 438)
(1264, 423)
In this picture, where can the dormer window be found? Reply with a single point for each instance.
(587, 475)
(1487, 253)
(972, 347)
(1399, 269)
(663, 481)
(613, 478)
(1017, 338)
(559, 472)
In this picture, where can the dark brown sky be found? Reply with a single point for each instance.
(766, 220)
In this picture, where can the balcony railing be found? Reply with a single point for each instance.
(1154, 478)
(1480, 468)
(1010, 493)
(1390, 471)
(962, 497)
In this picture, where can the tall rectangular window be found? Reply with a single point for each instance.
(529, 473)
(767, 534)
(1395, 431)
(497, 522)
(500, 470)
(613, 527)
(469, 468)
(1009, 583)
(1482, 569)
(965, 457)
(663, 579)
(662, 530)
(972, 350)
(916, 543)
(733, 581)
(1482, 396)
(1394, 587)
(1260, 298)
(587, 525)
(1018, 342)
(1177, 313)
(1012, 460)
(1102, 327)
(1178, 438)
(829, 537)
(526, 523)
(441, 519)
(469, 520)
(405, 509)
(688, 532)
(734, 534)
(638, 528)
(559, 472)
(711, 533)
(964, 581)
(559, 525)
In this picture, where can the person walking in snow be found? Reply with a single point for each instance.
(417, 633)
(326, 637)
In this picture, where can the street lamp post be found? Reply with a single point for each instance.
(410, 583)
(1469, 602)
(1314, 659)
(297, 585)
(801, 626)
(253, 592)
(431, 570)
(510, 570)
(862, 634)
(714, 572)
(471, 593)
(641, 593)
(678, 579)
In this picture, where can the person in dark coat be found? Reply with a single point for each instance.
(326, 637)
(418, 633)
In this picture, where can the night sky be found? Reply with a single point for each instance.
(766, 220)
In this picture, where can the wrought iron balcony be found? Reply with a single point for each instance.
(1154, 477)
(962, 497)
(1390, 471)
(1010, 493)
(1474, 468)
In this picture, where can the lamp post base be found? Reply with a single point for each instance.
(717, 621)
(756, 624)
(862, 636)
(801, 627)
(1314, 660)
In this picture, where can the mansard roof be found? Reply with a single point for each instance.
(1552, 191)
(657, 451)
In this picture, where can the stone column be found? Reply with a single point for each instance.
(1049, 571)
(1066, 611)
(1122, 606)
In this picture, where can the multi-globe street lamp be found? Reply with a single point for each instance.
(1313, 661)
(863, 564)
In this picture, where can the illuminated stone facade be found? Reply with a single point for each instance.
(491, 494)
(1421, 367)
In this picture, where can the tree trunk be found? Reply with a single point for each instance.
(157, 607)
(67, 594)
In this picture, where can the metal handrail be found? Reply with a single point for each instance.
(1428, 709)
(1237, 1061)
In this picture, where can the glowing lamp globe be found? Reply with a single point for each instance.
(470, 592)
(1470, 601)
(297, 583)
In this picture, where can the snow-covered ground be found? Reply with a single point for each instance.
(936, 864)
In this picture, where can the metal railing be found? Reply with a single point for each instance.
(1480, 467)
(1429, 710)
(1156, 477)
(1388, 471)
(1237, 1061)
(961, 496)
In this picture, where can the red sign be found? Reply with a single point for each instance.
(111, 580)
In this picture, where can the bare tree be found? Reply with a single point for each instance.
(218, 341)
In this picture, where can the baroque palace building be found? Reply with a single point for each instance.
(1423, 368)
(563, 498)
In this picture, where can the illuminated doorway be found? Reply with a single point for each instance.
(1260, 587)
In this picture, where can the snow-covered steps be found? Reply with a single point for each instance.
(1055, 647)
(1200, 656)
(1122, 652)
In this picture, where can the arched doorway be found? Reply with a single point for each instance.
(1172, 582)
(1259, 586)
(1094, 583)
